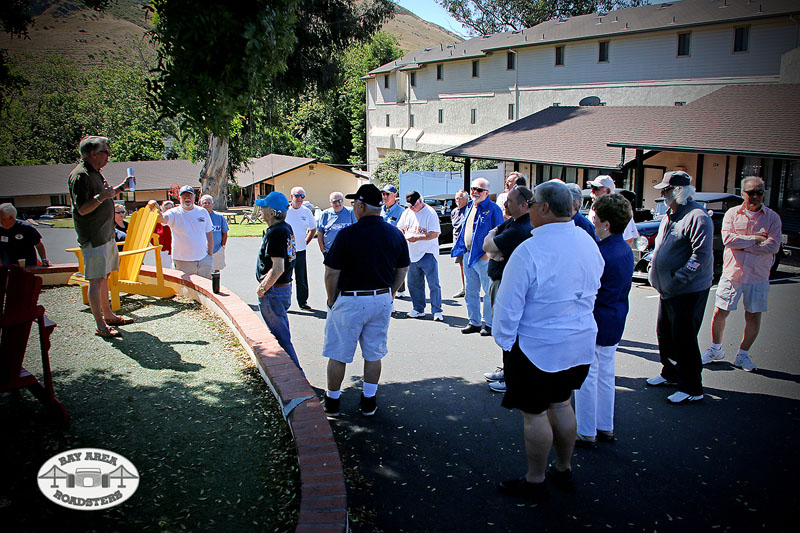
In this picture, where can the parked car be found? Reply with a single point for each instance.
(716, 203)
(443, 204)
(57, 211)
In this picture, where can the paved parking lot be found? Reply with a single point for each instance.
(430, 458)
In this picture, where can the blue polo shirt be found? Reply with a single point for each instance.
(368, 253)
(392, 215)
(220, 226)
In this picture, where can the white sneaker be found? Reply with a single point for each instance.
(743, 361)
(497, 386)
(497, 375)
(682, 397)
(401, 294)
(711, 355)
(658, 380)
(415, 314)
(438, 317)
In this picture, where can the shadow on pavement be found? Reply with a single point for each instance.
(430, 458)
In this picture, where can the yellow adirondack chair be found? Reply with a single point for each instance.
(134, 248)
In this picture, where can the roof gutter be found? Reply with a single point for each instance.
(666, 148)
(534, 161)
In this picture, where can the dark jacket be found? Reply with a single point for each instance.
(683, 258)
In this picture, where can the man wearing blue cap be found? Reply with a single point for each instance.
(192, 235)
(391, 210)
(274, 270)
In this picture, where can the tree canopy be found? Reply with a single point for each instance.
(485, 17)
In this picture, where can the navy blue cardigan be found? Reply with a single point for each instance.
(611, 305)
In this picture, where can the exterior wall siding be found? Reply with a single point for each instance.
(643, 69)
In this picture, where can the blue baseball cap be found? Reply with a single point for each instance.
(186, 188)
(390, 188)
(276, 200)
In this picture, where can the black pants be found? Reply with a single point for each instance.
(679, 321)
(301, 277)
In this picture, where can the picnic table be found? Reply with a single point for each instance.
(230, 216)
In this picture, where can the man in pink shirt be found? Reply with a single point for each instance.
(751, 234)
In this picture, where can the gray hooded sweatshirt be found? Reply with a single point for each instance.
(683, 258)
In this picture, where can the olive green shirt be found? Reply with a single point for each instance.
(97, 227)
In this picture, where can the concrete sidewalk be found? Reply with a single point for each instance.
(430, 458)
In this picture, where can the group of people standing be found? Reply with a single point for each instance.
(555, 286)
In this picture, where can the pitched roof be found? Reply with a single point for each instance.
(52, 179)
(270, 166)
(575, 136)
(658, 16)
(757, 120)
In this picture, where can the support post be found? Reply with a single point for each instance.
(638, 186)
(467, 173)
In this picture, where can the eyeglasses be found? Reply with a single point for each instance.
(478, 189)
(104, 152)
(384, 193)
(667, 189)
(336, 201)
(531, 202)
(298, 195)
(754, 192)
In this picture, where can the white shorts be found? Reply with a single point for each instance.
(219, 259)
(356, 320)
(755, 295)
(100, 261)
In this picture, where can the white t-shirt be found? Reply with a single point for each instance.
(189, 230)
(630, 230)
(301, 220)
(421, 223)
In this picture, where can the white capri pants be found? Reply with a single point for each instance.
(594, 401)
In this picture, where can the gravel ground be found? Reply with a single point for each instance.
(179, 397)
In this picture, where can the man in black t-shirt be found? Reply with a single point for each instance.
(499, 244)
(363, 270)
(274, 270)
(19, 240)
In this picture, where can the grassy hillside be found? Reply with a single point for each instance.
(70, 29)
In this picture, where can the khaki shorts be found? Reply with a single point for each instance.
(219, 259)
(100, 261)
(754, 295)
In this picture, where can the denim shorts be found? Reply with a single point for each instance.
(755, 295)
(356, 320)
(100, 261)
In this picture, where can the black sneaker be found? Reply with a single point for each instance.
(331, 406)
(471, 328)
(560, 480)
(486, 331)
(522, 488)
(368, 405)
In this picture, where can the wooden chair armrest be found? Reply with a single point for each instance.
(141, 250)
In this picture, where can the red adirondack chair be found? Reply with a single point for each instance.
(19, 296)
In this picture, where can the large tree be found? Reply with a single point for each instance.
(215, 59)
(485, 17)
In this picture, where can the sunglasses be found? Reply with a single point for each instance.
(119, 212)
(479, 189)
(299, 195)
(336, 201)
(754, 192)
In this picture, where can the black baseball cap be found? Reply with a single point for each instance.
(369, 194)
(412, 197)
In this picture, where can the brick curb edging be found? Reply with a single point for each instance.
(323, 496)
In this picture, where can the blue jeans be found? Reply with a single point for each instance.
(428, 268)
(273, 306)
(477, 276)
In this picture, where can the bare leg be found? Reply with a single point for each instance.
(372, 371)
(106, 302)
(98, 301)
(538, 441)
(562, 420)
(463, 286)
(335, 374)
(718, 325)
(752, 325)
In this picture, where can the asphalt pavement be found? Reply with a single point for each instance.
(429, 460)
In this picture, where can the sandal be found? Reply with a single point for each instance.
(107, 333)
(606, 436)
(582, 441)
(120, 321)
